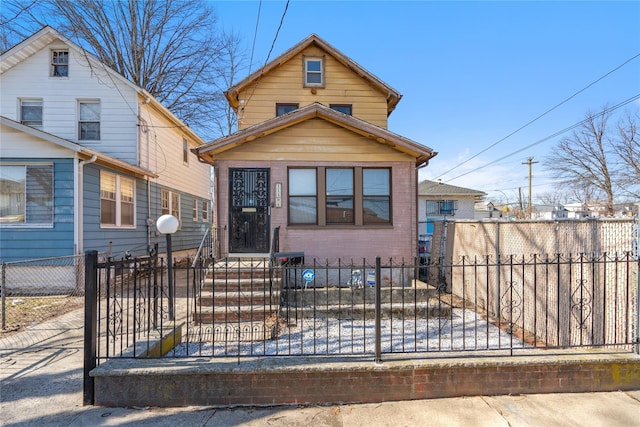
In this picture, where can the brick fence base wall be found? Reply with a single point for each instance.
(171, 383)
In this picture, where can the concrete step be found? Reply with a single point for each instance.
(234, 298)
(233, 315)
(228, 333)
(356, 296)
(367, 311)
(235, 284)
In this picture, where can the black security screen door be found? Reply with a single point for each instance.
(249, 212)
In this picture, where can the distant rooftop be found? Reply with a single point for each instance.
(433, 188)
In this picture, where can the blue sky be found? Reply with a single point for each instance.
(471, 73)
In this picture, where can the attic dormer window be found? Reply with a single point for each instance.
(59, 63)
(313, 72)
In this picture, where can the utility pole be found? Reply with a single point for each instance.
(529, 162)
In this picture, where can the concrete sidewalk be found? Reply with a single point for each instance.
(41, 384)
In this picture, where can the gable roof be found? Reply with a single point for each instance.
(47, 35)
(81, 151)
(392, 95)
(421, 153)
(432, 188)
(41, 39)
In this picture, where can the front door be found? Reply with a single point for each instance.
(249, 210)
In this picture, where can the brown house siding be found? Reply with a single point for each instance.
(285, 86)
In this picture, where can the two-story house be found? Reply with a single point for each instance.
(313, 158)
(438, 201)
(89, 160)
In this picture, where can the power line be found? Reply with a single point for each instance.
(541, 115)
(255, 36)
(575, 125)
(275, 38)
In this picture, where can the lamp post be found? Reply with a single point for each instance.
(167, 225)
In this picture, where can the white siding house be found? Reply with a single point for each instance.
(438, 201)
(91, 156)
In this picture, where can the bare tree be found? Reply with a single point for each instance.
(552, 198)
(14, 22)
(234, 64)
(628, 149)
(171, 48)
(586, 160)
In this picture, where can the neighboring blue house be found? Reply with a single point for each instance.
(88, 160)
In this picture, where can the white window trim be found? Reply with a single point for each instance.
(89, 101)
(53, 198)
(195, 209)
(185, 152)
(52, 65)
(306, 60)
(205, 211)
(170, 210)
(21, 102)
(118, 201)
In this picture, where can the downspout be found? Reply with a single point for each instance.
(417, 207)
(216, 234)
(78, 203)
(150, 220)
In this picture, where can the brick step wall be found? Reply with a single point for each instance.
(309, 380)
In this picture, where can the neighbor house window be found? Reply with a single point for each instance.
(343, 108)
(282, 109)
(313, 72)
(303, 199)
(376, 196)
(195, 210)
(185, 151)
(205, 211)
(170, 203)
(441, 207)
(339, 196)
(89, 120)
(26, 195)
(59, 63)
(31, 113)
(117, 200)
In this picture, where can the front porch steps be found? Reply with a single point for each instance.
(240, 301)
(238, 298)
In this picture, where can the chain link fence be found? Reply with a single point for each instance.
(39, 289)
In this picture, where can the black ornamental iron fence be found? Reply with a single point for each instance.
(297, 307)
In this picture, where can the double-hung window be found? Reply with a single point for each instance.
(31, 113)
(59, 63)
(26, 195)
(117, 200)
(195, 210)
(339, 196)
(170, 203)
(313, 72)
(89, 120)
(303, 196)
(376, 196)
(205, 211)
(185, 152)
